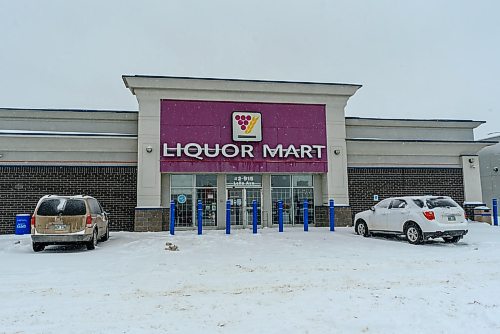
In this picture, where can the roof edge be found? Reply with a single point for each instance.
(69, 110)
(146, 76)
(415, 119)
(421, 141)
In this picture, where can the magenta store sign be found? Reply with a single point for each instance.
(240, 137)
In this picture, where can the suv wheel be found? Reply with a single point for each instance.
(362, 228)
(93, 242)
(452, 240)
(38, 247)
(413, 234)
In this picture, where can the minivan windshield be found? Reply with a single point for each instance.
(66, 207)
(440, 203)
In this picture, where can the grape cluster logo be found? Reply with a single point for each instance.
(247, 126)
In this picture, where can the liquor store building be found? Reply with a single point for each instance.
(214, 140)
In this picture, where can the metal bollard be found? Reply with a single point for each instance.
(306, 216)
(200, 220)
(280, 216)
(332, 215)
(228, 217)
(254, 216)
(172, 218)
(495, 212)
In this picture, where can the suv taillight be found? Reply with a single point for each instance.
(33, 221)
(89, 221)
(429, 215)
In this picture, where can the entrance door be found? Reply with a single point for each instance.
(241, 205)
(236, 196)
(252, 194)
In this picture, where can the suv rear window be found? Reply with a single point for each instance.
(66, 207)
(419, 203)
(440, 203)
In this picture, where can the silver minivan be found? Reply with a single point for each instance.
(60, 220)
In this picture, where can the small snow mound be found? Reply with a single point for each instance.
(171, 247)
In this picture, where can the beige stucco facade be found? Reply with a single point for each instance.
(150, 90)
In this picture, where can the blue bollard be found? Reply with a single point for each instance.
(228, 217)
(254, 216)
(200, 221)
(332, 215)
(306, 216)
(495, 212)
(172, 218)
(280, 215)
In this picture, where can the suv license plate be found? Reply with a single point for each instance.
(452, 218)
(59, 227)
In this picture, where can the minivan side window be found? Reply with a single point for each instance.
(94, 206)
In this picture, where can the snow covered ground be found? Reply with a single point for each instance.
(295, 282)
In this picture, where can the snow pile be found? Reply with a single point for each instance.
(295, 282)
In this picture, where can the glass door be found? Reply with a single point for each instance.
(252, 194)
(242, 205)
(236, 196)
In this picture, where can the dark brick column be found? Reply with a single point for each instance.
(343, 216)
(151, 219)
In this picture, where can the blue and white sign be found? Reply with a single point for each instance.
(181, 199)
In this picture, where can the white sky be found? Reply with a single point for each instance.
(415, 59)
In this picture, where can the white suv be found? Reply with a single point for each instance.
(417, 217)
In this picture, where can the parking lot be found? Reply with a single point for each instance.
(315, 282)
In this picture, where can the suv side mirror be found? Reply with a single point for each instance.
(372, 208)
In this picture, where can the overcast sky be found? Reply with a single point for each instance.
(415, 59)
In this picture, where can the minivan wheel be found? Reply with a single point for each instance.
(38, 247)
(414, 234)
(93, 242)
(452, 240)
(105, 237)
(362, 228)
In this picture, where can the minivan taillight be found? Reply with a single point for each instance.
(33, 221)
(429, 215)
(89, 221)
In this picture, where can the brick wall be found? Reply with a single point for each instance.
(152, 219)
(343, 216)
(390, 182)
(22, 186)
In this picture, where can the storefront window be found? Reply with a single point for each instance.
(280, 181)
(292, 190)
(183, 198)
(302, 180)
(186, 190)
(181, 180)
(284, 195)
(206, 191)
(209, 180)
